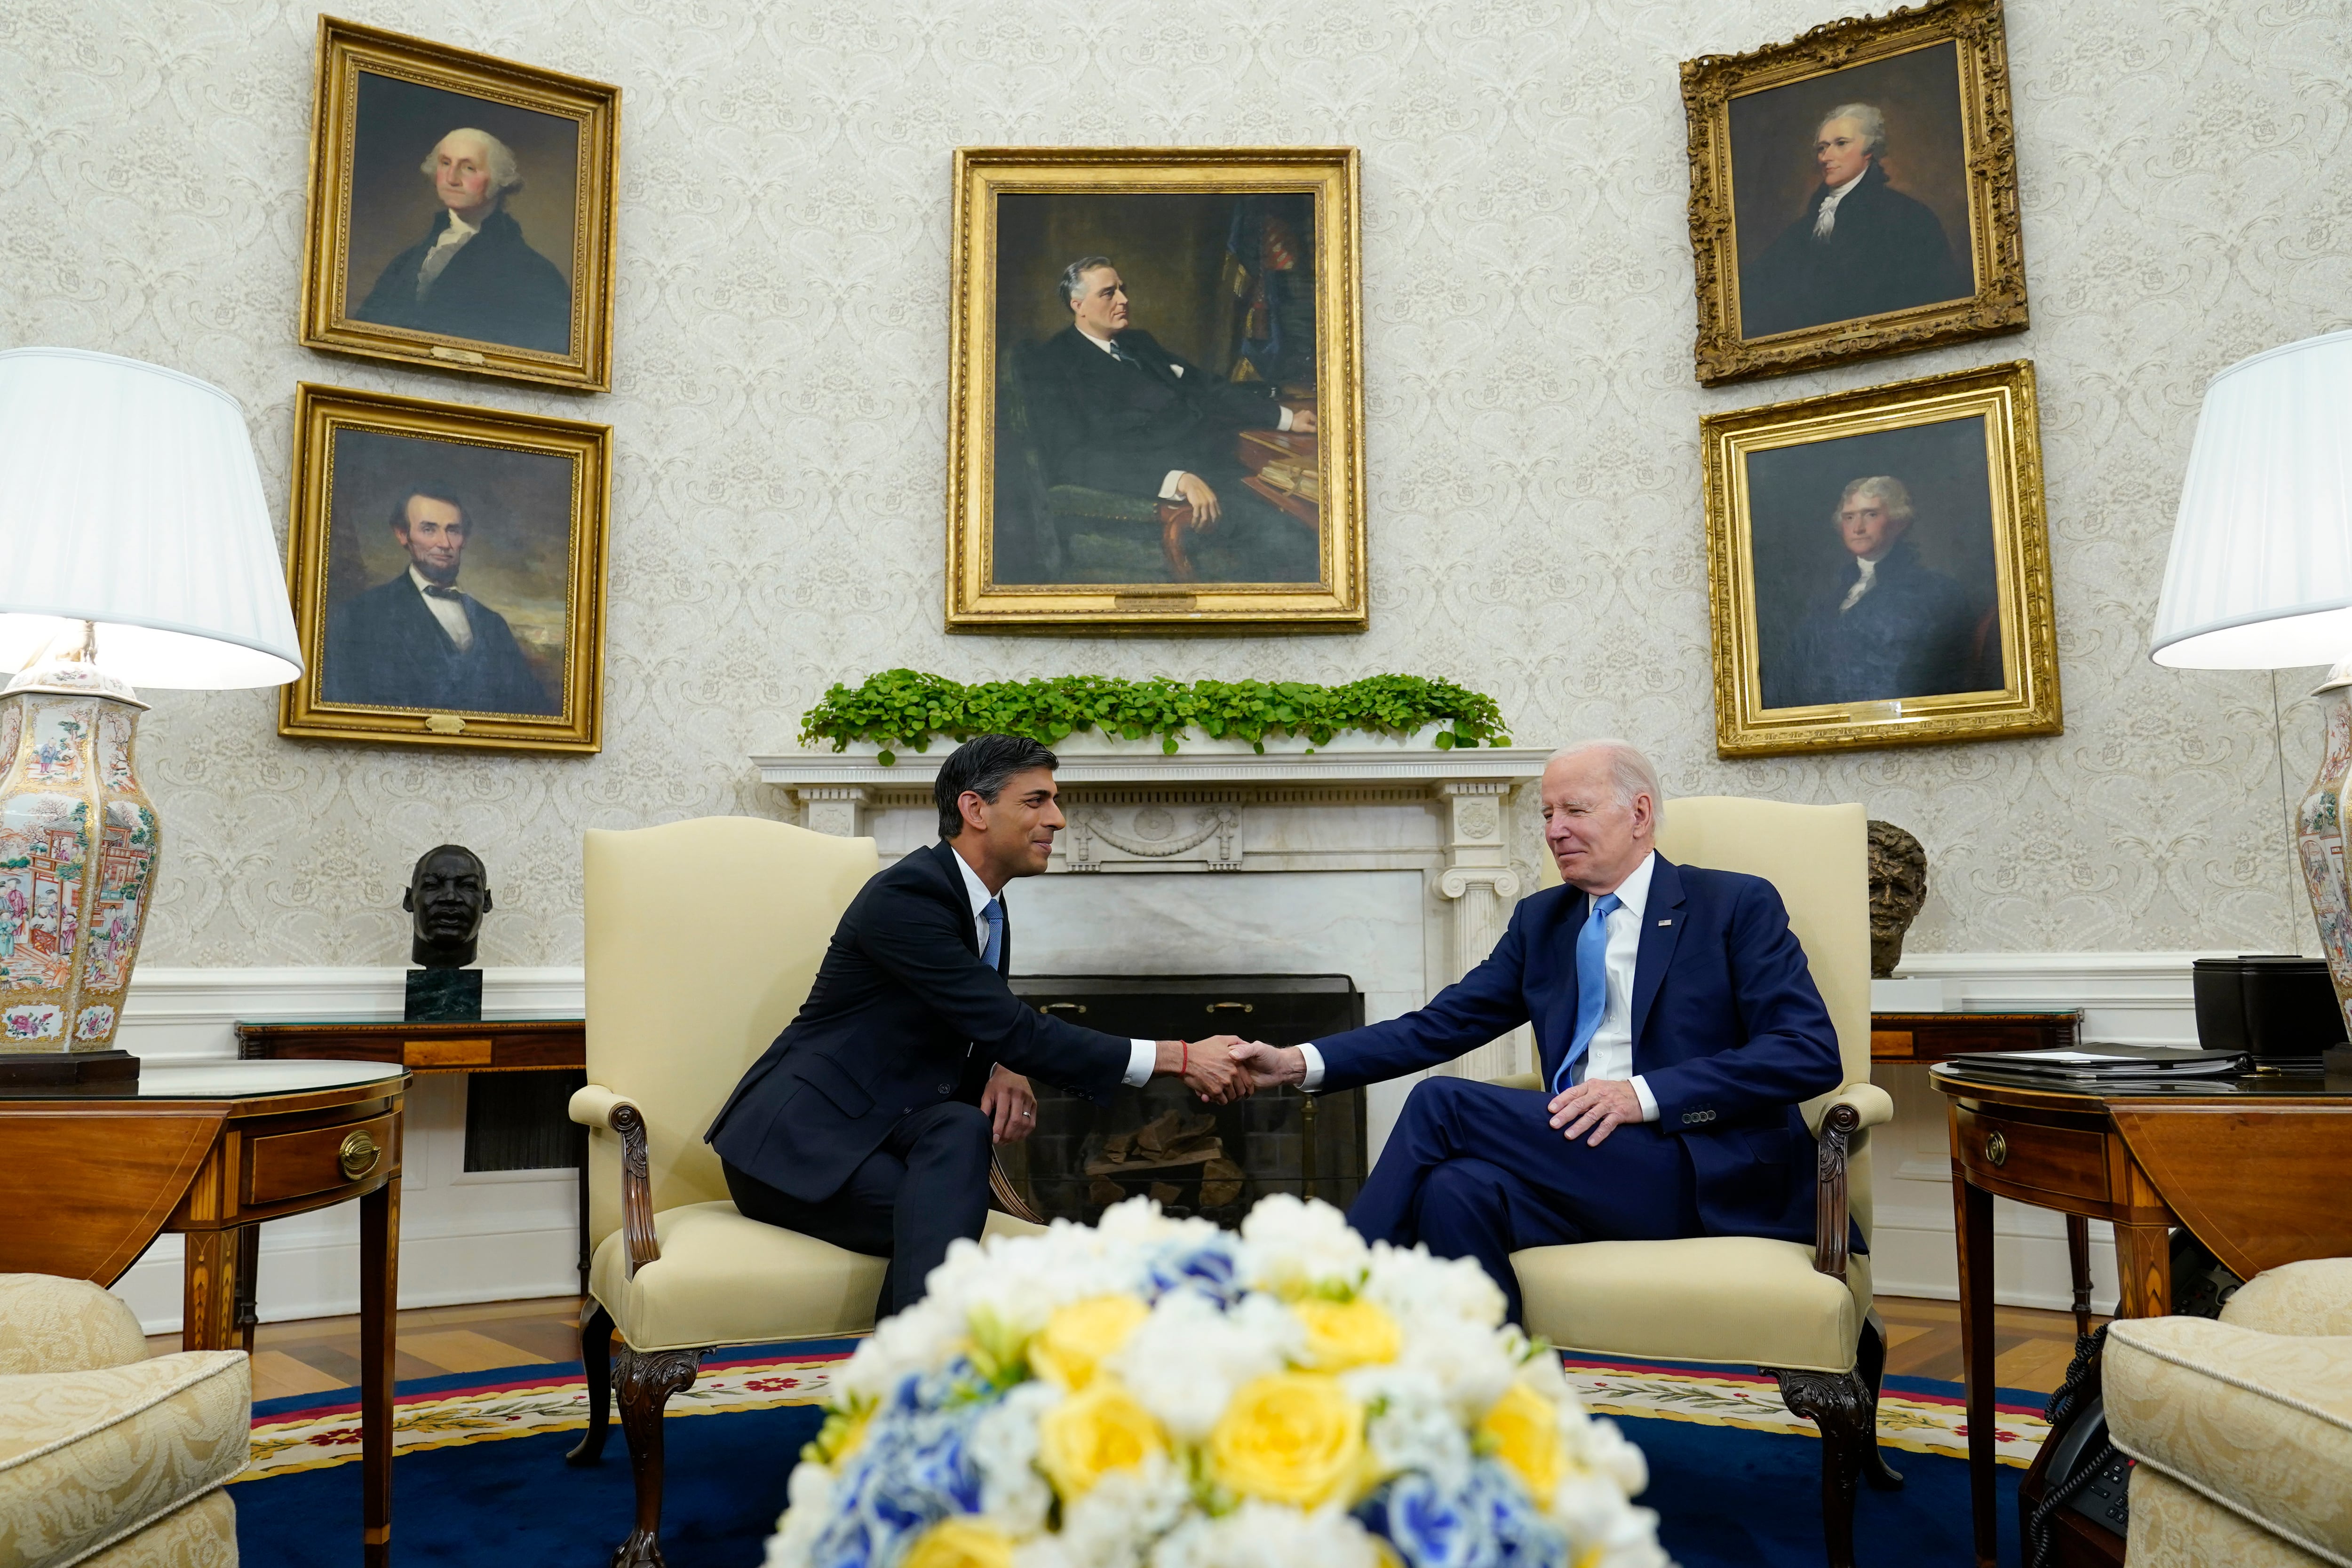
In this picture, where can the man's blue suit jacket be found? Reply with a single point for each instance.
(1728, 1032)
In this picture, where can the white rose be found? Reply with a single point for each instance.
(1413, 1427)
(1185, 1360)
(1118, 1521)
(1290, 1247)
(1267, 1535)
(1013, 1495)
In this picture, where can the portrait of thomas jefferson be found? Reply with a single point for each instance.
(472, 274)
(1859, 248)
(1882, 623)
(420, 641)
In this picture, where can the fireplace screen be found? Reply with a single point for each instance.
(1211, 1160)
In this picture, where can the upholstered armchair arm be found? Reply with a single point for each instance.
(597, 1106)
(1518, 1080)
(1842, 1119)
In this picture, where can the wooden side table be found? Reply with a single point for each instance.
(490, 1045)
(210, 1150)
(2255, 1167)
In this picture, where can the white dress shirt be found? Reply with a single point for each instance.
(1142, 1055)
(1610, 1052)
(445, 249)
(1862, 584)
(1825, 220)
(1168, 486)
(450, 612)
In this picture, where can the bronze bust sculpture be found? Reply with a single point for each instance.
(448, 893)
(1898, 886)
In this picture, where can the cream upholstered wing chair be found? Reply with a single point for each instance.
(1803, 1313)
(110, 1459)
(702, 940)
(2241, 1428)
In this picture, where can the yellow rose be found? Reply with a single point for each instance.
(1098, 1429)
(1290, 1437)
(1523, 1431)
(839, 1437)
(961, 1542)
(1079, 1337)
(1351, 1334)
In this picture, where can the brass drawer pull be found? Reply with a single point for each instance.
(1229, 1007)
(358, 1156)
(1996, 1149)
(1063, 1007)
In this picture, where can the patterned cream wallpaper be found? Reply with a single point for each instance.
(780, 385)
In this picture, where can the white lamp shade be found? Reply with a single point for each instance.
(2260, 572)
(129, 497)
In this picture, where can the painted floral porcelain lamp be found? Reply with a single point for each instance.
(2260, 572)
(135, 550)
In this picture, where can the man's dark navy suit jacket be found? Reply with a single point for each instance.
(903, 1016)
(1729, 1033)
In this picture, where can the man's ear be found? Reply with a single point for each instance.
(408, 899)
(486, 901)
(973, 810)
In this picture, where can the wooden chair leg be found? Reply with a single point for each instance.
(596, 1358)
(1840, 1404)
(647, 1379)
(1870, 1365)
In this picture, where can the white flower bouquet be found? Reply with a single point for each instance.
(1160, 1394)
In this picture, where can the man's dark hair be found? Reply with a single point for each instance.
(400, 507)
(982, 765)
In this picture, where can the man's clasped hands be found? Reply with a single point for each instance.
(1225, 1068)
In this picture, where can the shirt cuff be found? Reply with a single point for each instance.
(1144, 1054)
(1642, 1093)
(1285, 423)
(1168, 486)
(1314, 1078)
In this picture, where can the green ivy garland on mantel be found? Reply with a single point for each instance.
(907, 708)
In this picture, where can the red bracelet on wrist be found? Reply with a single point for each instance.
(1184, 1065)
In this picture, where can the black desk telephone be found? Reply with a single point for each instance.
(2101, 1497)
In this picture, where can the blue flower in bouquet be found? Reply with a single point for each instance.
(1210, 1267)
(914, 1467)
(1486, 1522)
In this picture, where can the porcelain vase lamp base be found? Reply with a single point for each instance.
(79, 841)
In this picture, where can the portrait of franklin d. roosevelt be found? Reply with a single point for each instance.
(1157, 389)
(448, 576)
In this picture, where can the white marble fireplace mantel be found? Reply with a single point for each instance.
(1361, 804)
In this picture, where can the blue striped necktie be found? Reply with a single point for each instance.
(993, 953)
(1591, 989)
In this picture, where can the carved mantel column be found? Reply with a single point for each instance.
(835, 808)
(1483, 887)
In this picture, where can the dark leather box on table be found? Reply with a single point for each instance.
(2280, 1008)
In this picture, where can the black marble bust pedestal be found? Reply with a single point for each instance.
(444, 996)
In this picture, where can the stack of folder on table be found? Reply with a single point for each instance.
(2087, 1065)
(1295, 477)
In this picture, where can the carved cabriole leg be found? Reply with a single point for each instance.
(596, 1359)
(645, 1380)
(1870, 1365)
(1840, 1405)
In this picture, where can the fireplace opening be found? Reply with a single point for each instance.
(1160, 1141)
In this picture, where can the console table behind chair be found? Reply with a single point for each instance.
(2255, 1167)
(210, 1151)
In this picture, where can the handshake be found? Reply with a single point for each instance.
(1225, 1068)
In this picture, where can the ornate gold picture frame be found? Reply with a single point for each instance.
(1155, 391)
(461, 211)
(1853, 192)
(1878, 568)
(447, 565)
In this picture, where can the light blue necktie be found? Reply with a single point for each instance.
(993, 952)
(1591, 989)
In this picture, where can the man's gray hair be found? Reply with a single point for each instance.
(1630, 773)
(1868, 120)
(1885, 488)
(505, 177)
(1074, 279)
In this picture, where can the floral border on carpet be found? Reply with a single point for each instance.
(519, 1402)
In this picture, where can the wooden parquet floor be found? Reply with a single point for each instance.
(322, 1355)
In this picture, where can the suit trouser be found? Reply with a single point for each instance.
(1477, 1171)
(925, 1187)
